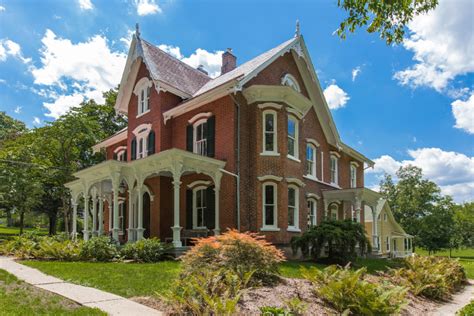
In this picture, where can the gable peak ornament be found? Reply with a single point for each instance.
(297, 31)
(137, 30)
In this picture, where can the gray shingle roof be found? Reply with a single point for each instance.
(172, 71)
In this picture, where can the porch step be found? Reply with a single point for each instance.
(179, 251)
(376, 255)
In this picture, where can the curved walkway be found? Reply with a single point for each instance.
(110, 303)
(458, 301)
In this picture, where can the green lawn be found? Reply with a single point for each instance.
(8, 232)
(465, 256)
(19, 298)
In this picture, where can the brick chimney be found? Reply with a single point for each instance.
(229, 61)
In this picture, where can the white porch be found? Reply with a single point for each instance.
(113, 180)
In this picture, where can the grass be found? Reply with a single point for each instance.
(9, 232)
(124, 279)
(465, 257)
(19, 298)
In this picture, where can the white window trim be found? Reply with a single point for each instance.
(353, 180)
(296, 138)
(143, 84)
(121, 155)
(315, 203)
(296, 215)
(195, 190)
(120, 151)
(269, 177)
(273, 227)
(199, 116)
(144, 137)
(290, 81)
(336, 176)
(314, 173)
(273, 152)
(195, 126)
(204, 183)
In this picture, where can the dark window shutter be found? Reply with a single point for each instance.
(211, 132)
(115, 156)
(189, 138)
(151, 143)
(209, 216)
(189, 209)
(134, 148)
(125, 157)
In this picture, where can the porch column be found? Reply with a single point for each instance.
(140, 228)
(374, 228)
(176, 228)
(326, 204)
(358, 207)
(100, 231)
(109, 207)
(94, 215)
(74, 219)
(115, 230)
(86, 217)
(130, 217)
(217, 188)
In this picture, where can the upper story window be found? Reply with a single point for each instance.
(290, 81)
(200, 134)
(269, 212)
(312, 212)
(292, 137)
(120, 153)
(311, 160)
(334, 169)
(270, 132)
(143, 144)
(293, 208)
(353, 169)
(143, 91)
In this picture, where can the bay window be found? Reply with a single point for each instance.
(269, 132)
(269, 196)
(293, 211)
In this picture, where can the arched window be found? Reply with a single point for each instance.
(290, 81)
(200, 134)
(200, 137)
(143, 144)
(143, 91)
(312, 212)
(269, 211)
(293, 207)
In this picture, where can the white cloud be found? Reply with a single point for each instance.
(211, 61)
(89, 67)
(146, 7)
(85, 4)
(127, 39)
(17, 110)
(463, 112)
(335, 97)
(13, 49)
(3, 81)
(355, 73)
(2, 8)
(36, 121)
(452, 171)
(443, 45)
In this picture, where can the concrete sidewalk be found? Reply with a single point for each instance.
(110, 303)
(458, 301)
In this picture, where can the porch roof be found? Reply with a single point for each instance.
(362, 194)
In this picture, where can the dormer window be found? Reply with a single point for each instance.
(290, 81)
(143, 92)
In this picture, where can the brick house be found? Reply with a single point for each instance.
(254, 149)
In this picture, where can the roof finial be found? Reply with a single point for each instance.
(137, 30)
(297, 32)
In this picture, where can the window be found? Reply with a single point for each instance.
(269, 205)
(334, 170)
(144, 100)
(387, 243)
(200, 207)
(293, 208)
(269, 132)
(290, 81)
(311, 161)
(353, 176)
(121, 155)
(385, 217)
(292, 137)
(333, 212)
(200, 138)
(142, 150)
(312, 213)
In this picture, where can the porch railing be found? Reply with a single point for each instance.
(401, 253)
(201, 147)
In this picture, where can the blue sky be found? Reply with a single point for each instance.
(411, 103)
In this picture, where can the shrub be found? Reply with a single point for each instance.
(19, 246)
(274, 311)
(65, 250)
(294, 307)
(340, 237)
(240, 253)
(99, 249)
(345, 289)
(146, 250)
(467, 310)
(432, 277)
(209, 292)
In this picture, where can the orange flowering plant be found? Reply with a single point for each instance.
(241, 253)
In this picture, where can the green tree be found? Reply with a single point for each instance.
(10, 128)
(389, 18)
(464, 225)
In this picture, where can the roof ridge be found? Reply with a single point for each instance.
(177, 59)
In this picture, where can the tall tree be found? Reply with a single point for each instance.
(10, 128)
(389, 18)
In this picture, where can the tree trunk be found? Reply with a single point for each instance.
(22, 221)
(52, 224)
(9, 218)
(66, 217)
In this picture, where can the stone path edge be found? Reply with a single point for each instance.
(110, 303)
